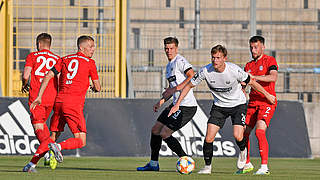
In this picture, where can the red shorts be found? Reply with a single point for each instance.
(71, 114)
(258, 110)
(40, 114)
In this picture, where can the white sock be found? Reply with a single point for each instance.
(46, 156)
(153, 163)
(207, 166)
(264, 167)
(59, 146)
(32, 165)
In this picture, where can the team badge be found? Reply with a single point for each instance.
(249, 71)
(261, 68)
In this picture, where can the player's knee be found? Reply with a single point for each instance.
(38, 126)
(238, 137)
(83, 144)
(209, 139)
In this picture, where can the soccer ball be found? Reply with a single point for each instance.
(185, 165)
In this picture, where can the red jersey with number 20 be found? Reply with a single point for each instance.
(260, 68)
(41, 62)
(74, 78)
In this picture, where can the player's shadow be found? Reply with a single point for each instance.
(95, 169)
(6, 169)
(108, 169)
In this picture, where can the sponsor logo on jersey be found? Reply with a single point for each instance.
(196, 76)
(192, 135)
(172, 78)
(16, 131)
(220, 89)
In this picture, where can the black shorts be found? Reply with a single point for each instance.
(179, 118)
(218, 115)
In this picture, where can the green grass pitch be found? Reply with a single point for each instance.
(125, 168)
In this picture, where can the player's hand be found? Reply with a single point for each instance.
(174, 109)
(93, 89)
(36, 102)
(25, 88)
(156, 106)
(271, 99)
(168, 93)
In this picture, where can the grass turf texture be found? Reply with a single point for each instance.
(125, 168)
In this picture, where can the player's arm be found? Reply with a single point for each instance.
(43, 86)
(25, 78)
(271, 77)
(96, 87)
(159, 104)
(183, 94)
(256, 86)
(170, 91)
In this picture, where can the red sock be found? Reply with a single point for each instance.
(248, 147)
(42, 134)
(41, 151)
(71, 143)
(35, 159)
(263, 145)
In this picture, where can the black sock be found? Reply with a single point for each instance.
(155, 144)
(207, 152)
(242, 144)
(175, 146)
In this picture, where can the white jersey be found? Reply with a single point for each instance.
(225, 86)
(175, 74)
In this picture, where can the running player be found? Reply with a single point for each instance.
(264, 69)
(178, 73)
(74, 70)
(224, 80)
(37, 65)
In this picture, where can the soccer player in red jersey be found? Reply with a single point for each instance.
(37, 65)
(74, 70)
(264, 69)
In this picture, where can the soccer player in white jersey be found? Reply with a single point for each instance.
(224, 80)
(178, 73)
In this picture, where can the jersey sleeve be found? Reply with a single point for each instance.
(93, 71)
(29, 60)
(184, 66)
(198, 77)
(246, 67)
(272, 64)
(241, 74)
(57, 67)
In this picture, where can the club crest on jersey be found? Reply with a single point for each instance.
(261, 68)
(249, 71)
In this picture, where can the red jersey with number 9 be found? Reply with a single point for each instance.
(41, 62)
(260, 68)
(74, 78)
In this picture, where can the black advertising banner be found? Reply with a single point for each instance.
(123, 127)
